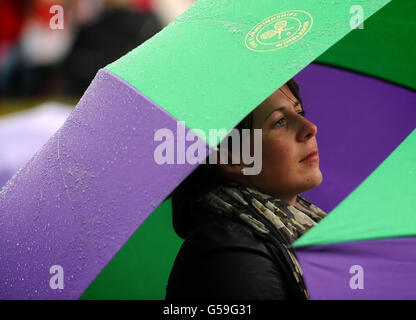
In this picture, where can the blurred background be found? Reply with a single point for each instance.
(50, 50)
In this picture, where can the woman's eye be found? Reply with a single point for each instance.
(280, 122)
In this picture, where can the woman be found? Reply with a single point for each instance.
(238, 228)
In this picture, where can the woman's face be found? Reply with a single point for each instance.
(287, 138)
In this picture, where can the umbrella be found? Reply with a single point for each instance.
(95, 181)
(351, 74)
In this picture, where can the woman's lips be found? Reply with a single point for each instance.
(313, 156)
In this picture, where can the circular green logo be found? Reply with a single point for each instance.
(279, 31)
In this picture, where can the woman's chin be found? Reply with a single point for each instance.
(314, 179)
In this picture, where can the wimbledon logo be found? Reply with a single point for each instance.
(279, 31)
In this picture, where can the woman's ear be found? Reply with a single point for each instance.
(229, 170)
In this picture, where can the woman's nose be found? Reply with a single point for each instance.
(306, 129)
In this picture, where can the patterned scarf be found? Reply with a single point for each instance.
(289, 221)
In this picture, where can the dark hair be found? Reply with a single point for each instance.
(205, 178)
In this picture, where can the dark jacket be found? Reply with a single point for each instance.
(222, 257)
